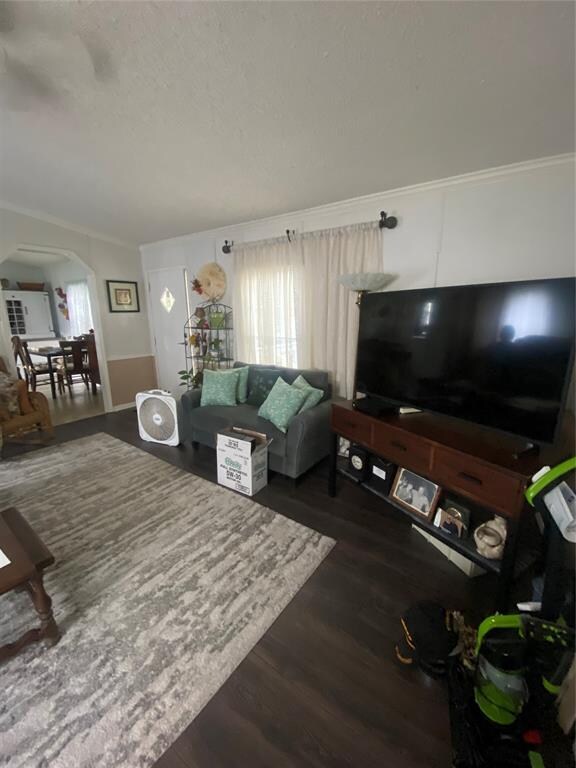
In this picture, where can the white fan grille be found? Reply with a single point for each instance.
(157, 419)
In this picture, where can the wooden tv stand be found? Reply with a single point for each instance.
(466, 461)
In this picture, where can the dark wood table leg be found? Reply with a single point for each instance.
(48, 629)
(51, 374)
(43, 605)
(332, 467)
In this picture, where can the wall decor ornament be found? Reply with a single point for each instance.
(62, 302)
(210, 282)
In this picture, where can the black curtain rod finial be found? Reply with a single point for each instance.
(387, 222)
(227, 247)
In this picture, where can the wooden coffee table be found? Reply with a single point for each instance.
(28, 556)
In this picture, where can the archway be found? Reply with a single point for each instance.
(70, 256)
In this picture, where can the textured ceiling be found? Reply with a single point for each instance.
(149, 120)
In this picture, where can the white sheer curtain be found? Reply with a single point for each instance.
(80, 313)
(289, 307)
(332, 314)
(268, 295)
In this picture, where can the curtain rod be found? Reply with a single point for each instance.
(385, 222)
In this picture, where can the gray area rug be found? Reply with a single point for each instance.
(163, 584)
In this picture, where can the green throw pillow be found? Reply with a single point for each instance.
(282, 404)
(242, 373)
(313, 395)
(219, 388)
(260, 382)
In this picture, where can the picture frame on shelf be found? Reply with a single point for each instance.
(451, 522)
(453, 517)
(123, 296)
(415, 493)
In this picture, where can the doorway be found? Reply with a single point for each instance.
(47, 303)
(169, 309)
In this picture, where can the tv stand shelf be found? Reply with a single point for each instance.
(464, 546)
(463, 460)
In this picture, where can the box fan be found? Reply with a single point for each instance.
(157, 417)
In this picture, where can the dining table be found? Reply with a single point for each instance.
(49, 354)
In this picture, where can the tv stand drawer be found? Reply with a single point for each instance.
(352, 425)
(404, 449)
(483, 483)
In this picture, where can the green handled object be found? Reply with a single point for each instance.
(550, 477)
(497, 621)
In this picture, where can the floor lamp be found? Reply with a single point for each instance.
(362, 283)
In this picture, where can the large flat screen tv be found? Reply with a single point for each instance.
(499, 355)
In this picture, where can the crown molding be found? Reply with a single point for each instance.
(375, 198)
(64, 224)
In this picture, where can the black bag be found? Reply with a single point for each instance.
(429, 636)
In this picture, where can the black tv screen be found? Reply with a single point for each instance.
(499, 355)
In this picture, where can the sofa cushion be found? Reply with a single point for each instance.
(260, 382)
(242, 373)
(9, 395)
(242, 383)
(282, 404)
(219, 387)
(215, 418)
(313, 395)
(317, 379)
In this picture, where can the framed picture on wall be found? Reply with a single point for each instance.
(122, 296)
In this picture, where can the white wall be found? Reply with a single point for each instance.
(15, 272)
(510, 223)
(124, 336)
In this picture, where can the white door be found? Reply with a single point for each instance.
(168, 314)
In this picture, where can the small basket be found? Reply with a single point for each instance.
(31, 286)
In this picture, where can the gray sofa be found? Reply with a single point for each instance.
(306, 442)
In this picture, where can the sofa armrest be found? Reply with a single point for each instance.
(308, 435)
(190, 400)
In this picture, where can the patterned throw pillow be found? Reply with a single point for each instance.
(219, 388)
(242, 393)
(9, 395)
(260, 382)
(313, 395)
(282, 404)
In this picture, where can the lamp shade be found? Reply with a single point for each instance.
(365, 281)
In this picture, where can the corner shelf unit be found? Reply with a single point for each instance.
(208, 341)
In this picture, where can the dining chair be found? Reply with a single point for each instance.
(35, 374)
(74, 362)
(93, 367)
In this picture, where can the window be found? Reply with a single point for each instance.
(79, 308)
(269, 285)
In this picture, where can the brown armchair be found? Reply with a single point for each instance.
(34, 412)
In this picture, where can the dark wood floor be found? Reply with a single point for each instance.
(322, 687)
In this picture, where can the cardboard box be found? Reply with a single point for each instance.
(242, 458)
